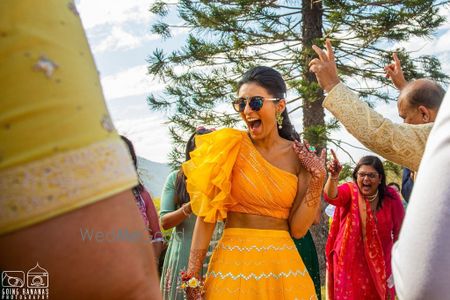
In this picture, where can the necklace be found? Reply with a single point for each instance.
(373, 197)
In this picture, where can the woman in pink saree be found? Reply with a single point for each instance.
(365, 225)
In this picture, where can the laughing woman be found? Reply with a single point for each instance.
(366, 223)
(266, 186)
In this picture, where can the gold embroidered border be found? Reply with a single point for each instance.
(247, 262)
(48, 187)
(248, 290)
(256, 248)
(257, 277)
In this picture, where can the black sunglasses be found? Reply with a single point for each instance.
(255, 103)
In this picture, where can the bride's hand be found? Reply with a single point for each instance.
(313, 163)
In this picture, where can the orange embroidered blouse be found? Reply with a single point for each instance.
(227, 173)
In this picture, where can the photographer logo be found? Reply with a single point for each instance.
(15, 285)
(37, 277)
(13, 279)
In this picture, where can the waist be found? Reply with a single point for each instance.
(243, 220)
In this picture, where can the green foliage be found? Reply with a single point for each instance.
(395, 169)
(228, 37)
(346, 173)
(162, 29)
(159, 8)
(393, 172)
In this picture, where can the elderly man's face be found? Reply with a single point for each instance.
(407, 112)
(415, 114)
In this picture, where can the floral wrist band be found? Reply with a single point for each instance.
(188, 280)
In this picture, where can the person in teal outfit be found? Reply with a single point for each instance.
(176, 213)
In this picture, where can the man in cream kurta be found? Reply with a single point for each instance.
(403, 144)
(400, 143)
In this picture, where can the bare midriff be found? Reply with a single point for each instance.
(243, 220)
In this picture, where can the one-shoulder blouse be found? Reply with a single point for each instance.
(227, 173)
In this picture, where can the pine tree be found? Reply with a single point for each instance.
(227, 37)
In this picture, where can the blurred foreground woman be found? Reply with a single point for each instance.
(63, 169)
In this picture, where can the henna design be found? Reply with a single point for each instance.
(194, 294)
(196, 291)
(196, 259)
(314, 192)
(334, 167)
(314, 164)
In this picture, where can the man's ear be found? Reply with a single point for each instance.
(425, 113)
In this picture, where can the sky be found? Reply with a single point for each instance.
(120, 39)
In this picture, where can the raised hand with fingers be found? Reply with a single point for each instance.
(324, 67)
(334, 167)
(313, 163)
(395, 73)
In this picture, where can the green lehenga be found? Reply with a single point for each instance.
(307, 249)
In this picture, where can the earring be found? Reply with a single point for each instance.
(279, 118)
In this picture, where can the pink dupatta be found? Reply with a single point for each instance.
(359, 223)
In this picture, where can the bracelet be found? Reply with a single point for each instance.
(188, 280)
(184, 212)
(160, 239)
(332, 178)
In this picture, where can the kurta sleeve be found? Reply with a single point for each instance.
(400, 143)
(398, 214)
(168, 195)
(209, 173)
(342, 198)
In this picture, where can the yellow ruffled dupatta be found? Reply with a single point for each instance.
(209, 172)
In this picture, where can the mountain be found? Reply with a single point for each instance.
(153, 175)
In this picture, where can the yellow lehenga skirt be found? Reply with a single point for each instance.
(257, 264)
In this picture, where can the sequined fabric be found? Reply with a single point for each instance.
(401, 143)
(45, 188)
(59, 150)
(227, 173)
(257, 264)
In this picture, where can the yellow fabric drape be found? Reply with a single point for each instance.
(227, 173)
(58, 147)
